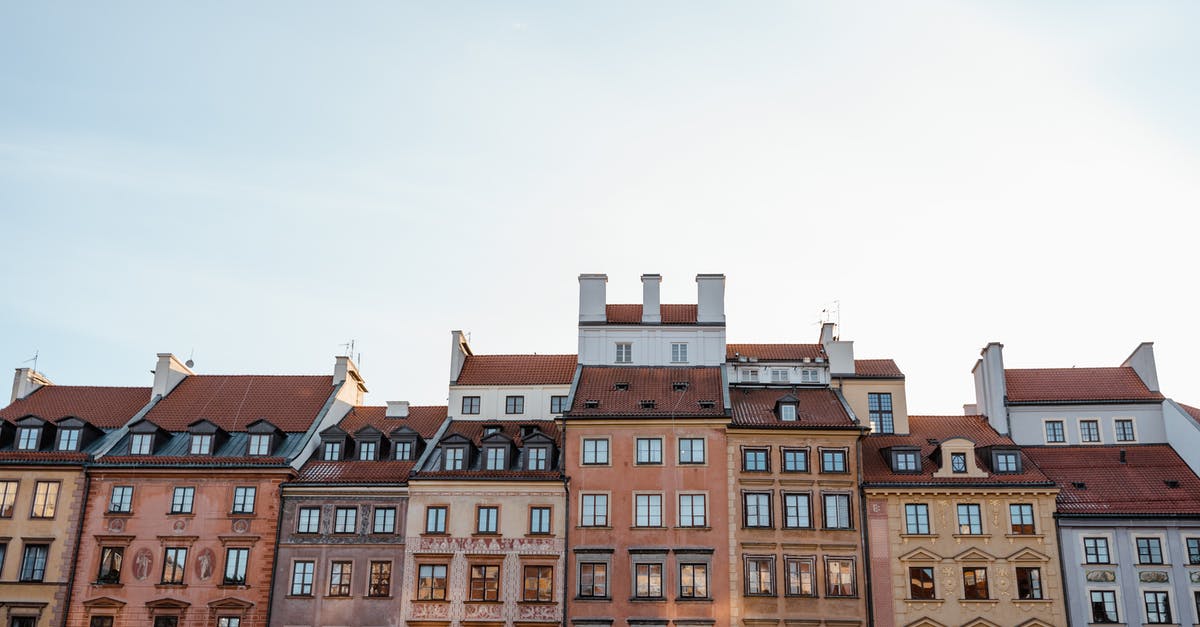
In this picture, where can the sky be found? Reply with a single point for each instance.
(254, 185)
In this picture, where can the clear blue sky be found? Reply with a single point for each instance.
(262, 182)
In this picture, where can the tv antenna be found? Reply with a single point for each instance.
(34, 359)
(349, 346)
(832, 313)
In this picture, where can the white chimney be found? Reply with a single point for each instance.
(841, 358)
(344, 369)
(459, 351)
(26, 381)
(168, 373)
(651, 304)
(828, 330)
(970, 409)
(990, 388)
(1142, 362)
(710, 299)
(592, 298)
(396, 409)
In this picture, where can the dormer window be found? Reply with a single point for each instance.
(490, 430)
(404, 451)
(779, 375)
(202, 444)
(905, 461)
(707, 404)
(679, 386)
(536, 458)
(260, 444)
(591, 404)
(528, 430)
(787, 412)
(810, 375)
(333, 451)
(958, 462)
(648, 404)
(1006, 461)
(141, 444)
(27, 438)
(454, 458)
(495, 458)
(68, 439)
(366, 450)
(621, 386)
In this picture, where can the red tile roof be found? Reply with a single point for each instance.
(191, 460)
(1192, 411)
(882, 368)
(632, 314)
(775, 352)
(1076, 384)
(598, 383)
(1112, 488)
(517, 370)
(424, 419)
(377, 471)
(815, 408)
(922, 429)
(473, 429)
(234, 401)
(102, 407)
(43, 457)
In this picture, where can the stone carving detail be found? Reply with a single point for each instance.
(489, 545)
(1194, 575)
(1102, 576)
(204, 564)
(1154, 576)
(116, 525)
(429, 610)
(540, 612)
(142, 562)
(179, 526)
(241, 525)
(482, 610)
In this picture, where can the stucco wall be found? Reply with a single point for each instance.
(1028, 423)
(651, 344)
(856, 391)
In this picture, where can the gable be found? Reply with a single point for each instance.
(920, 555)
(974, 555)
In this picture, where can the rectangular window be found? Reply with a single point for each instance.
(201, 444)
(1054, 432)
(796, 511)
(485, 583)
(975, 585)
(810, 375)
(539, 520)
(595, 452)
(1007, 462)
(1095, 550)
(166, 621)
(99, 621)
(1104, 606)
(800, 576)
(756, 509)
(779, 375)
(260, 444)
(649, 510)
(174, 565)
(495, 459)
(916, 518)
(693, 580)
(302, 579)
(1089, 431)
(837, 511)
(839, 577)
(431, 582)
(920, 582)
(970, 521)
(385, 520)
(649, 450)
(905, 461)
(787, 412)
(679, 352)
(486, 519)
(380, 584)
(795, 460)
(454, 458)
(8, 497)
(110, 564)
(759, 575)
(45, 499)
(181, 500)
(122, 499)
(340, 574)
(1021, 516)
(68, 440)
(1029, 583)
(514, 404)
(1158, 608)
(235, 566)
(366, 450)
(1149, 551)
(648, 581)
(692, 510)
(624, 353)
(470, 405)
(33, 563)
(243, 500)
(558, 404)
(404, 451)
(691, 450)
(1193, 550)
(308, 520)
(1124, 430)
(27, 439)
(754, 460)
(593, 580)
(879, 409)
(539, 584)
(333, 451)
(345, 520)
(833, 461)
(750, 376)
(139, 443)
(229, 621)
(536, 458)
(595, 511)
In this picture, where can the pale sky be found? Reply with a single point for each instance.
(255, 184)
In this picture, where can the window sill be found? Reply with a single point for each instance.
(705, 528)
(433, 601)
(918, 535)
(181, 514)
(594, 527)
(539, 535)
(484, 601)
(377, 597)
(969, 535)
(241, 514)
(594, 599)
(1031, 536)
(1162, 565)
(693, 599)
(338, 597)
(763, 528)
(647, 599)
(920, 601)
(119, 514)
(1034, 601)
(530, 602)
(435, 534)
(647, 528)
(107, 584)
(485, 534)
(299, 597)
(233, 586)
(837, 528)
(979, 601)
(170, 586)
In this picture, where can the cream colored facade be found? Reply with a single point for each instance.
(858, 390)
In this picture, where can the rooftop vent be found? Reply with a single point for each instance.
(931, 442)
(591, 403)
(1171, 483)
(528, 430)
(679, 386)
(1079, 485)
(742, 358)
(621, 386)
(707, 404)
(647, 404)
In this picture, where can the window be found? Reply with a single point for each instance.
(110, 564)
(558, 404)
(958, 462)
(649, 510)
(345, 520)
(593, 580)
(260, 444)
(1193, 550)
(539, 520)
(839, 577)
(1054, 432)
(692, 510)
(536, 458)
(333, 451)
(905, 461)
(1104, 606)
(1029, 583)
(68, 440)
(100, 621)
(8, 496)
(879, 409)
(795, 511)
(380, 584)
(27, 438)
(1021, 516)
(648, 581)
(166, 621)
(45, 499)
(1149, 551)
(759, 571)
(1124, 429)
(243, 500)
(539, 584)
(787, 412)
(514, 404)
(431, 582)
(691, 450)
(229, 621)
(235, 566)
(916, 518)
(435, 519)
(33, 564)
(1158, 607)
(122, 499)
(624, 353)
(920, 582)
(975, 583)
(837, 511)
(366, 450)
(340, 574)
(756, 509)
(750, 376)
(302, 579)
(833, 461)
(649, 450)
(174, 563)
(679, 352)
(495, 458)
(795, 460)
(1095, 550)
(385, 520)
(454, 458)
(693, 580)
(404, 450)
(970, 521)
(181, 500)
(309, 520)
(754, 460)
(800, 576)
(595, 510)
(201, 444)
(1007, 462)
(139, 443)
(595, 452)
(810, 375)
(1089, 431)
(470, 405)
(485, 519)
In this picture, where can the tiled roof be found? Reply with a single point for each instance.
(883, 368)
(922, 429)
(234, 401)
(191, 460)
(815, 408)
(473, 430)
(475, 469)
(632, 314)
(517, 370)
(775, 352)
(1192, 411)
(424, 419)
(43, 457)
(376, 471)
(102, 407)
(599, 383)
(1076, 384)
(1094, 482)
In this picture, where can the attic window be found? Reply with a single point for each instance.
(905, 461)
(68, 439)
(202, 443)
(27, 438)
(707, 404)
(1079, 485)
(591, 404)
(621, 386)
(528, 430)
(1171, 483)
(787, 412)
(648, 404)
(141, 444)
(679, 386)
(490, 430)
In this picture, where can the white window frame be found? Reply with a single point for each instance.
(201, 444)
(749, 375)
(788, 412)
(780, 375)
(1046, 434)
(260, 444)
(624, 353)
(679, 352)
(27, 438)
(72, 437)
(1099, 432)
(1132, 425)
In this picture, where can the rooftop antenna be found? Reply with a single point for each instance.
(34, 359)
(349, 346)
(833, 313)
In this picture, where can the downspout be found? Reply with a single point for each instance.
(87, 481)
(1066, 589)
(275, 555)
(566, 598)
(862, 514)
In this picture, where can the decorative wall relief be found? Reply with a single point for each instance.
(1154, 576)
(1102, 576)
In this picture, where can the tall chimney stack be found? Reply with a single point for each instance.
(592, 298)
(26, 381)
(651, 301)
(710, 299)
(168, 373)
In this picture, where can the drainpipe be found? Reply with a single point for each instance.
(87, 480)
(275, 555)
(566, 523)
(862, 515)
